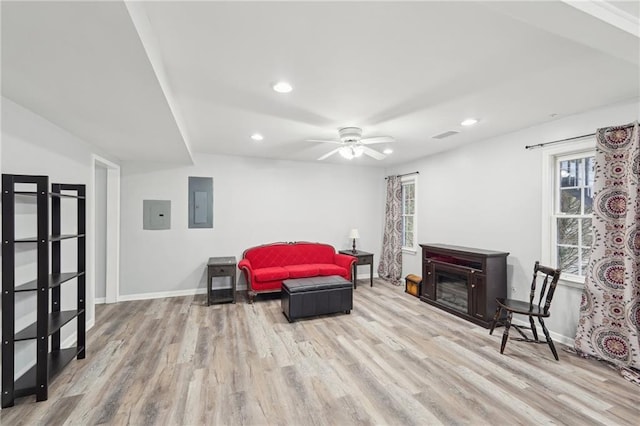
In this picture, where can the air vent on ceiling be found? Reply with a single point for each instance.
(445, 134)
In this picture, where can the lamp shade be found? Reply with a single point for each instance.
(354, 234)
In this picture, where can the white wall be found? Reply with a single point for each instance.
(488, 195)
(33, 145)
(256, 201)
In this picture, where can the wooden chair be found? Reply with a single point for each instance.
(511, 307)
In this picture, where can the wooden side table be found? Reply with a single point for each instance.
(221, 267)
(364, 258)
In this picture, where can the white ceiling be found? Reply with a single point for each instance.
(631, 7)
(158, 80)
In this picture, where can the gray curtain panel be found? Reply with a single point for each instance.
(609, 322)
(390, 266)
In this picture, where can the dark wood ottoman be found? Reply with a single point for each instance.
(308, 297)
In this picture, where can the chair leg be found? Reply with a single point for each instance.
(505, 335)
(549, 341)
(533, 328)
(495, 319)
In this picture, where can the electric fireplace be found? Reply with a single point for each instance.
(464, 281)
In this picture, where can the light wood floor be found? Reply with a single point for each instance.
(394, 360)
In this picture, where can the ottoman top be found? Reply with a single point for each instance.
(299, 285)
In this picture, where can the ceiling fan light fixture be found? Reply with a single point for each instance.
(350, 134)
(282, 87)
(352, 145)
(387, 151)
(346, 152)
(469, 122)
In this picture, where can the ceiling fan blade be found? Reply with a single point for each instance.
(377, 139)
(322, 140)
(329, 154)
(373, 153)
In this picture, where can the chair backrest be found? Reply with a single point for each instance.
(550, 280)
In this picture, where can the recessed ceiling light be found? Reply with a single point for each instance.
(282, 87)
(388, 151)
(257, 137)
(469, 122)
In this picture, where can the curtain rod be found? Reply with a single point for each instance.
(540, 145)
(406, 174)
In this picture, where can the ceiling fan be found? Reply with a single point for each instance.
(353, 145)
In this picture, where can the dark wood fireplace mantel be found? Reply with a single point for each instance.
(464, 281)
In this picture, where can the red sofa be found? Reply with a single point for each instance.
(266, 266)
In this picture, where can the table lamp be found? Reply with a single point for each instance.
(353, 235)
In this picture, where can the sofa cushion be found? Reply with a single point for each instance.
(326, 269)
(270, 274)
(302, 271)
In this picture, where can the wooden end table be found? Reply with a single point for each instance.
(221, 267)
(364, 258)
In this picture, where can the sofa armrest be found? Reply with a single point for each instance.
(244, 263)
(345, 261)
(245, 266)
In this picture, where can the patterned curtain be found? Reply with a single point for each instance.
(390, 266)
(609, 325)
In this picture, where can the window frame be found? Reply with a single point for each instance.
(407, 180)
(550, 198)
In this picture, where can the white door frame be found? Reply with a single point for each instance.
(113, 230)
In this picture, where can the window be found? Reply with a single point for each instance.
(568, 203)
(409, 231)
(573, 207)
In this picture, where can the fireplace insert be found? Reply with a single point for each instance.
(451, 289)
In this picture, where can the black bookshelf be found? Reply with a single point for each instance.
(50, 319)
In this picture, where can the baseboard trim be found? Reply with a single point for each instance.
(100, 300)
(161, 294)
(569, 341)
(70, 341)
(361, 277)
(189, 292)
